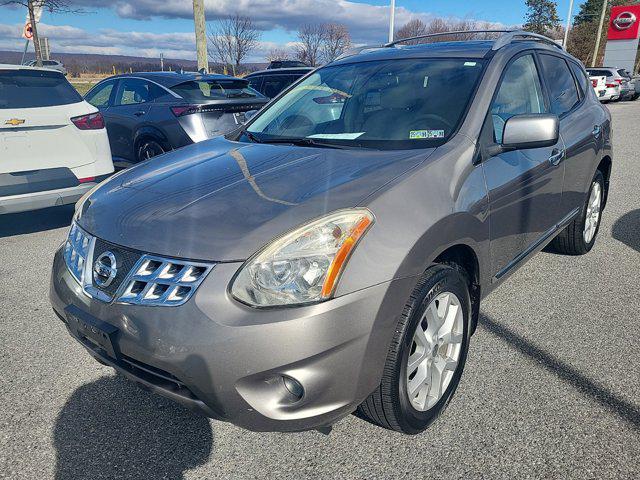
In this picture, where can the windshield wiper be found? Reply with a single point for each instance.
(251, 136)
(305, 142)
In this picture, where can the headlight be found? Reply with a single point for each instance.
(303, 266)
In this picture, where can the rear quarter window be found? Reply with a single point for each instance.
(35, 88)
(581, 78)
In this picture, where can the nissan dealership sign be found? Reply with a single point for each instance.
(622, 37)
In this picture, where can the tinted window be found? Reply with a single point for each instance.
(35, 88)
(562, 88)
(583, 81)
(385, 104)
(254, 82)
(274, 84)
(599, 73)
(520, 92)
(623, 73)
(100, 95)
(205, 90)
(133, 91)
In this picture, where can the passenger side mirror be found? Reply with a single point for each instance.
(530, 131)
(249, 115)
(520, 132)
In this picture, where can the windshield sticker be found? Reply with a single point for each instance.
(425, 134)
(470, 64)
(425, 83)
(337, 136)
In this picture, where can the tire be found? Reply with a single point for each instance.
(148, 148)
(390, 405)
(573, 240)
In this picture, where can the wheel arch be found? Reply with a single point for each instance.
(149, 131)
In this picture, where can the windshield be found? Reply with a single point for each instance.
(207, 90)
(391, 104)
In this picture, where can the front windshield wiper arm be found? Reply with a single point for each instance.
(306, 142)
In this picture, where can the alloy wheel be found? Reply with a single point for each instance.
(435, 351)
(592, 219)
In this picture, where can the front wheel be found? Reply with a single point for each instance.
(426, 357)
(580, 235)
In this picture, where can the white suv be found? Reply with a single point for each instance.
(53, 145)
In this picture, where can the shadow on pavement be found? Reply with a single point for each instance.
(36, 221)
(110, 428)
(627, 229)
(627, 411)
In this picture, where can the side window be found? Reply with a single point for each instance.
(562, 89)
(520, 92)
(99, 97)
(254, 82)
(133, 91)
(583, 81)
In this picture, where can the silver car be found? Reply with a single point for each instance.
(330, 256)
(50, 64)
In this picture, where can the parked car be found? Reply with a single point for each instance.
(286, 64)
(271, 82)
(54, 147)
(51, 64)
(148, 114)
(604, 91)
(309, 265)
(614, 76)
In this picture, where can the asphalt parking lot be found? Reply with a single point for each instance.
(551, 388)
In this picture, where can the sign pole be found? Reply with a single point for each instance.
(24, 54)
(566, 30)
(392, 20)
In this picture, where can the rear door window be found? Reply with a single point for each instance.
(581, 78)
(134, 91)
(99, 97)
(562, 88)
(519, 93)
(35, 88)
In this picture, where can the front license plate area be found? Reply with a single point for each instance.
(100, 334)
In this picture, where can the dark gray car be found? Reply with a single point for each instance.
(147, 114)
(331, 256)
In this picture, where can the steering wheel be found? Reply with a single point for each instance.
(427, 117)
(296, 121)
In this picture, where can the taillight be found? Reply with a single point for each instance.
(183, 110)
(93, 121)
(612, 85)
(594, 83)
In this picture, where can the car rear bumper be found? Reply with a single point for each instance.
(229, 361)
(49, 198)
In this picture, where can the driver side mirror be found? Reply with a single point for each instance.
(528, 131)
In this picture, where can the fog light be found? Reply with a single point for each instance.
(294, 387)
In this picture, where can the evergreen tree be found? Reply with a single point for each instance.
(542, 16)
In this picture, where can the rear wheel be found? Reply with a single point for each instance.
(426, 356)
(580, 235)
(148, 148)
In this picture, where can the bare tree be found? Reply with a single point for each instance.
(52, 6)
(276, 54)
(336, 40)
(310, 39)
(413, 28)
(417, 27)
(232, 39)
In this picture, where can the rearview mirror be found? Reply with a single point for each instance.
(530, 131)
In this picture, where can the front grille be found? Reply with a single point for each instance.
(125, 261)
(140, 279)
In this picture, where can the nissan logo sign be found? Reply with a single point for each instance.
(624, 21)
(105, 269)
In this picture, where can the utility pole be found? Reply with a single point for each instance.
(392, 20)
(33, 18)
(566, 30)
(201, 37)
(594, 59)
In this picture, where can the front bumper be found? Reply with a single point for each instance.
(228, 360)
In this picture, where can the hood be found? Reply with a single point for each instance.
(221, 201)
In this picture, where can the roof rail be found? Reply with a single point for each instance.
(505, 39)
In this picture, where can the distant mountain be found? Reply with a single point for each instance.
(77, 63)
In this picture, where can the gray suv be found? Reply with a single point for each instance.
(330, 256)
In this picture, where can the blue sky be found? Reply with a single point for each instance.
(164, 25)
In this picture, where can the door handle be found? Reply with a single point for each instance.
(139, 113)
(557, 156)
(597, 129)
